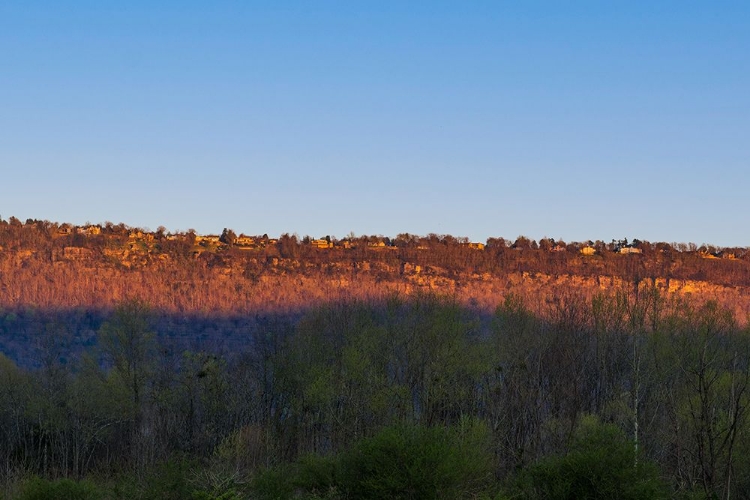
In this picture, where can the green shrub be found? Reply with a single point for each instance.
(318, 475)
(175, 479)
(170, 481)
(275, 484)
(61, 489)
(417, 462)
(600, 464)
(204, 495)
(402, 462)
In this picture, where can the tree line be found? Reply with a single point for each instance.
(123, 246)
(652, 388)
(44, 269)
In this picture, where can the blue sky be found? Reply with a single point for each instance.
(573, 120)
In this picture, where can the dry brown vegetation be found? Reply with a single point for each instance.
(49, 265)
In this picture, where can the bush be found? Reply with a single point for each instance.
(417, 462)
(169, 481)
(318, 475)
(176, 479)
(600, 464)
(275, 484)
(403, 462)
(215, 481)
(62, 489)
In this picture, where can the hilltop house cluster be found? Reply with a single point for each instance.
(228, 238)
(245, 242)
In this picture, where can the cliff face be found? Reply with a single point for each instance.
(83, 278)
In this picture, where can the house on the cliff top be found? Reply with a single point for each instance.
(629, 250)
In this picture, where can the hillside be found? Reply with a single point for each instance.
(52, 266)
(223, 361)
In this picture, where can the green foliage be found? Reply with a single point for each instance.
(62, 489)
(216, 482)
(128, 344)
(274, 484)
(178, 479)
(169, 481)
(601, 463)
(203, 495)
(323, 388)
(400, 462)
(417, 462)
(318, 474)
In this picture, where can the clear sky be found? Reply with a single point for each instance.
(576, 120)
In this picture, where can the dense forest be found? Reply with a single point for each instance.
(137, 364)
(623, 396)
